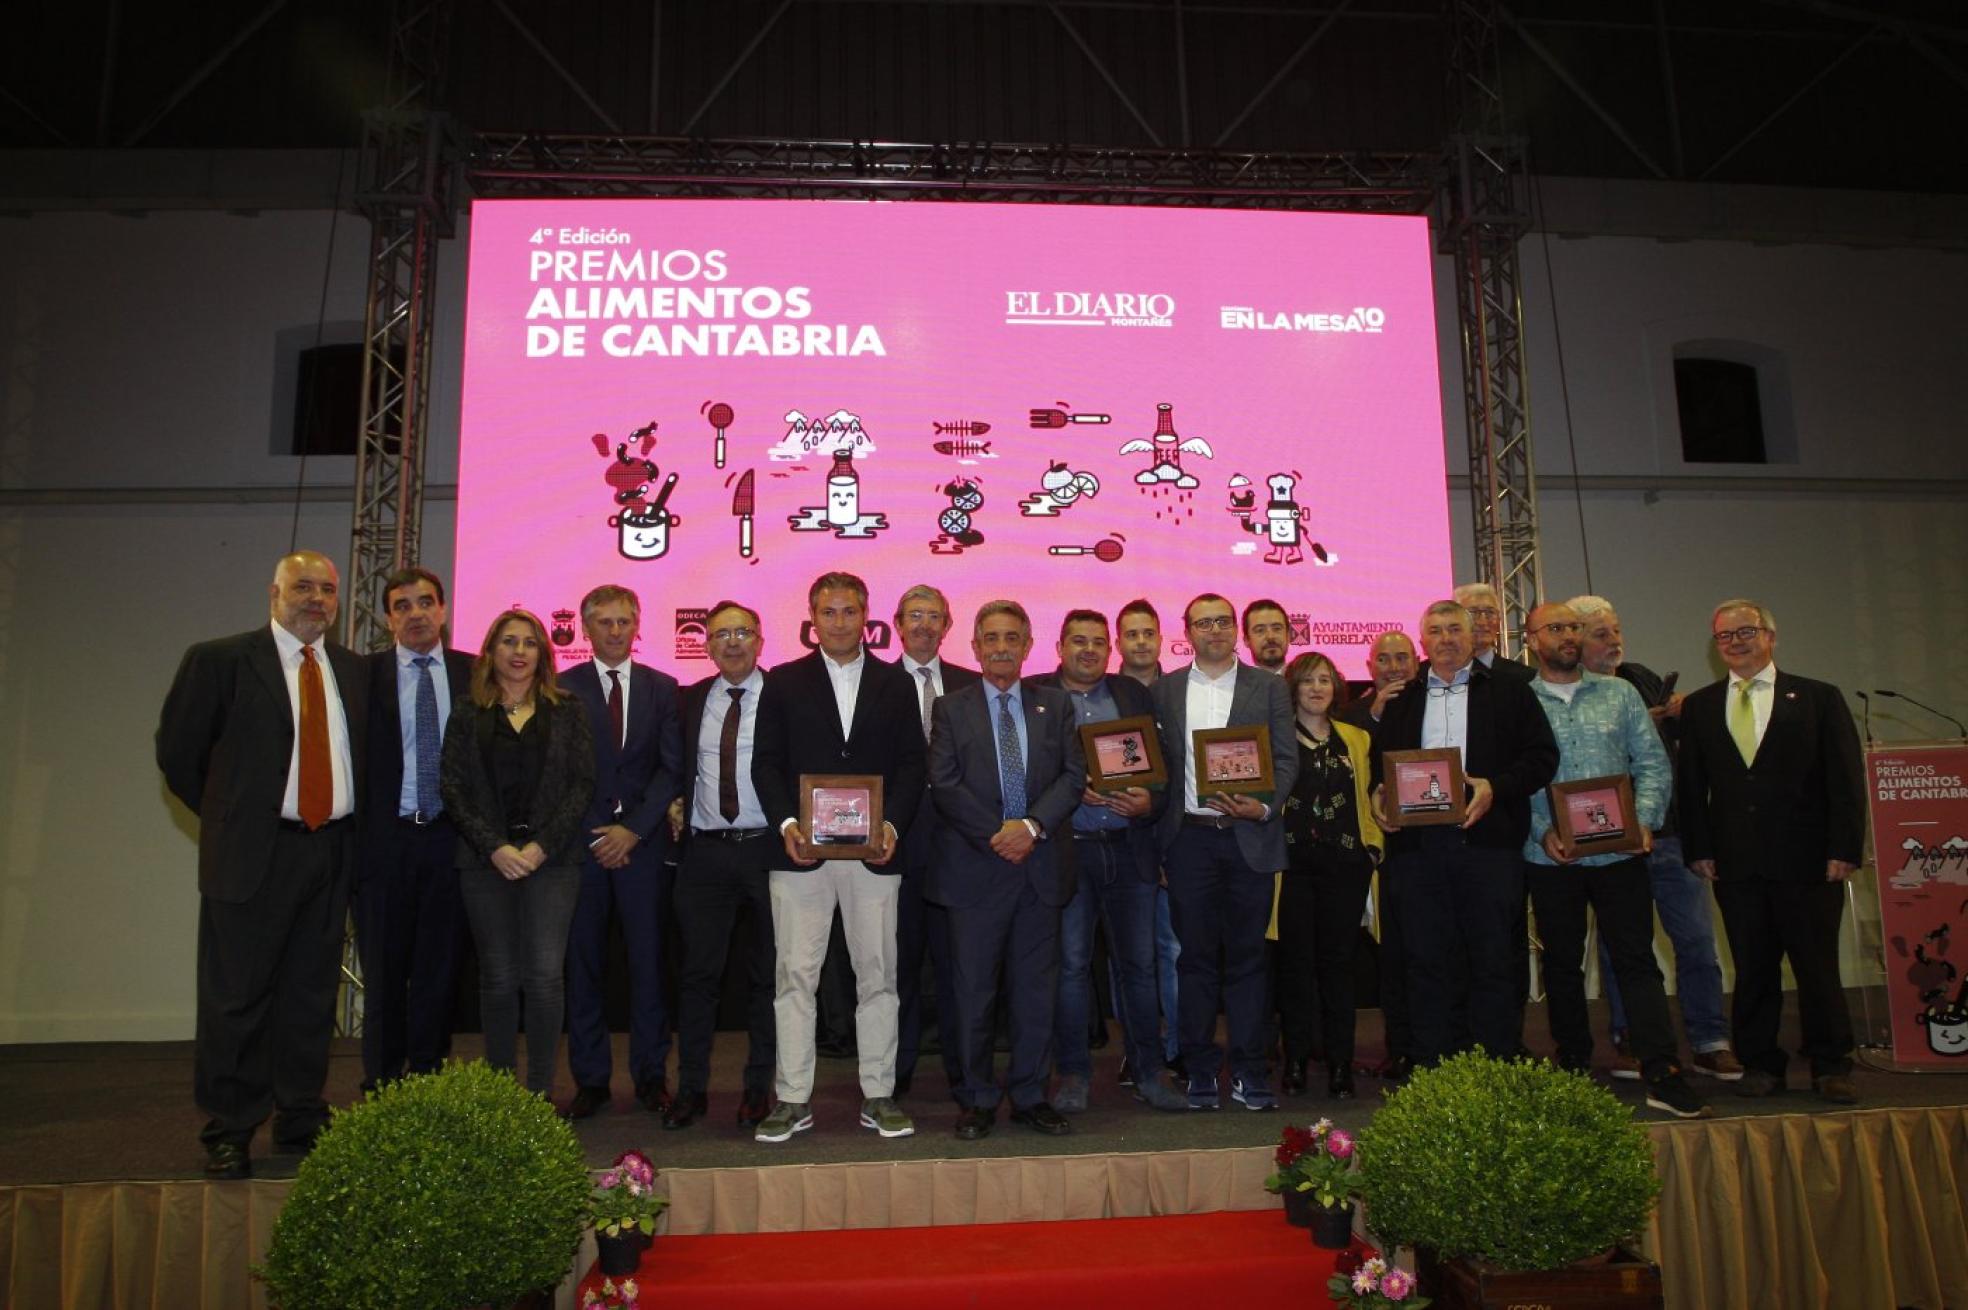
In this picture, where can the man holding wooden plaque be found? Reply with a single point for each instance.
(1231, 753)
(1455, 839)
(1590, 833)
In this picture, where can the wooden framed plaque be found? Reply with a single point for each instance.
(1234, 761)
(1123, 753)
(1595, 816)
(1423, 788)
(841, 815)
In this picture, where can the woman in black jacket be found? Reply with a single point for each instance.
(517, 774)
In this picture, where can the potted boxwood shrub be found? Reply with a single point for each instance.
(453, 1189)
(1514, 1182)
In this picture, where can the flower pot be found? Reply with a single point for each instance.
(1298, 1207)
(1621, 1280)
(621, 1255)
(1332, 1226)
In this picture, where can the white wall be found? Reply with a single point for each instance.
(137, 354)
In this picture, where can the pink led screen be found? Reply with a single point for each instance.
(1070, 406)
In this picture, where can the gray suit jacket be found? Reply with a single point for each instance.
(965, 787)
(1259, 697)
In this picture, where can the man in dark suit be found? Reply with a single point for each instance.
(1773, 813)
(838, 710)
(1220, 852)
(1461, 889)
(1118, 870)
(1005, 774)
(262, 737)
(922, 619)
(727, 857)
(410, 919)
(632, 713)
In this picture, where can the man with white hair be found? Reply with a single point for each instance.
(1681, 898)
(1486, 627)
(1773, 813)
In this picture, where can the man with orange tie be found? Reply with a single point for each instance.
(261, 736)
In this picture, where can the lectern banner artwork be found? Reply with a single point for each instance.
(1067, 405)
(1919, 801)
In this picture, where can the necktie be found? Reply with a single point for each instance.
(615, 705)
(1011, 763)
(728, 757)
(428, 739)
(1742, 721)
(928, 698)
(317, 783)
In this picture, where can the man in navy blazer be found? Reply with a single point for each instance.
(1005, 774)
(632, 712)
(1773, 813)
(838, 710)
(262, 737)
(1119, 870)
(1220, 852)
(409, 917)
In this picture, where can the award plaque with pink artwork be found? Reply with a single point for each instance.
(1595, 816)
(1234, 761)
(841, 815)
(1425, 787)
(1122, 753)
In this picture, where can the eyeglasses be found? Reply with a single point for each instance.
(1222, 623)
(734, 634)
(1737, 634)
(1562, 629)
(924, 616)
(1481, 611)
(1453, 689)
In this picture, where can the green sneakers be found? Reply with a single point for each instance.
(787, 1118)
(884, 1116)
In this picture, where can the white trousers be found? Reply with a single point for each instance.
(803, 902)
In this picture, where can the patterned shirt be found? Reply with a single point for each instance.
(1319, 815)
(1604, 729)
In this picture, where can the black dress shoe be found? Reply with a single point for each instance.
(1339, 1083)
(1394, 1069)
(753, 1106)
(973, 1124)
(1040, 1117)
(227, 1160)
(655, 1097)
(686, 1109)
(1293, 1081)
(586, 1101)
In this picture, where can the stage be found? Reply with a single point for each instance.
(101, 1202)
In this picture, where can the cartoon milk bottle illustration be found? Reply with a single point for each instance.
(843, 490)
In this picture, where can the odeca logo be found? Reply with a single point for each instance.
(578, 236)
(1369, 319)
(1090, 308)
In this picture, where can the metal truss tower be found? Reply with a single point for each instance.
(407, 189)
(1483, 215)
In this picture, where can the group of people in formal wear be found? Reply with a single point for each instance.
(534, 805)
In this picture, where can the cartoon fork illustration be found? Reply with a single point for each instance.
(1060, 417)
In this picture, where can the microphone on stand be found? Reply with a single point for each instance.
(1866, 702)
(1959, 727)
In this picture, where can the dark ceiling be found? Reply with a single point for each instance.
(1790, 92)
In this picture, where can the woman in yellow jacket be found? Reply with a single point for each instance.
(1332, 846)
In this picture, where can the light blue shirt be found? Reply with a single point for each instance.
(1445, 721)
(1604, 729)
(1096, 706)
(704, 813)
(1017, 695)
(408, 675)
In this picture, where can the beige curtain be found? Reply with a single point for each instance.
(1854, 1211)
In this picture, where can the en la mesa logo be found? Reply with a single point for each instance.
(1370, 319)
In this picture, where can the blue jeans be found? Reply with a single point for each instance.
(1111, 888)
(1167, 951)
(1220, 906)
(1682, 900)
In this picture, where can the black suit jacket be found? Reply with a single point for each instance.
(1258, 697)
(1132, 699)
(919, 843)
(1800, 803)
(382, 790)
(645, 772)
(968, 792)
(471, 795)
(799, 731)
(1514, 670)
(1510, 744)
(225, 740)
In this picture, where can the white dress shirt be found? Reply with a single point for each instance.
(704, 814)
(1445, 721)
(847, 685)
(339, 751)
(1208, 707)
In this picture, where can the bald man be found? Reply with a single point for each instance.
(261, 737)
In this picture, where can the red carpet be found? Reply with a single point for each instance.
(1239, 1258)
